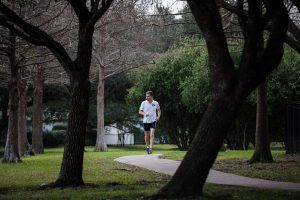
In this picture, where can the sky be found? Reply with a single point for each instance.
(174, 5)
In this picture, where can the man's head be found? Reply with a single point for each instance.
(149, 96)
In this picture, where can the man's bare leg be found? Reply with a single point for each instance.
(147, 138)
(152, 130)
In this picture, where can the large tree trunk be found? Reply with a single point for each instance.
(72, 164)
(37, 113)
(22, 136)
(11, 153)
(229, 86)
(262, 151)
(100, 142)
(193, 171)
(3, 118)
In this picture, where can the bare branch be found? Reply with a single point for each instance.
(37, 63)
(100, 12)
(81, 10)
(35, 35)
(293, 43)
(122, 70)
(54, 17)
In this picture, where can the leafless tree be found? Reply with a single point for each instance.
(120, 45)
(78, 68)
(27, 57)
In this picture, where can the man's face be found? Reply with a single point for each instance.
(149, 97)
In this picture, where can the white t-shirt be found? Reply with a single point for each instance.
(149, 108)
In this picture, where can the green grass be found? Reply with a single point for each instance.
(104, 177)
(284, 168)
(178, 155)
(107, 179)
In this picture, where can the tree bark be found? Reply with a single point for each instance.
(262, 151)
(193, 171)
(22, 127)
(37, 113)
(11, 153)
(72, 164)
(229, 86)
(4, 118)
(100, 141)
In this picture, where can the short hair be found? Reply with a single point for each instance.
(149, 93)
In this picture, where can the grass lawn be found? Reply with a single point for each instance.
(107, 179)
(284, 168)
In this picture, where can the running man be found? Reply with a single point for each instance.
(151, 111)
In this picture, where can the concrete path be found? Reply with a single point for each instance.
(166, 166)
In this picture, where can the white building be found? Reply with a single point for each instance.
(115, 136)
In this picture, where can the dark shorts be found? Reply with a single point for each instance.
(148, 126)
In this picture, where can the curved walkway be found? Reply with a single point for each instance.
(166, 166)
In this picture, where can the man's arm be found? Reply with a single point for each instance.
(141, 112)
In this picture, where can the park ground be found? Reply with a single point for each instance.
(107, 179)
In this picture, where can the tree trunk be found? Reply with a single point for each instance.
(245, 142)
(11, 153)
(72, 164)
(37, 113)
(100, 142)
(22, 136)
(228, 85)
(190, 177)
(4, 118)
(262, 151)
